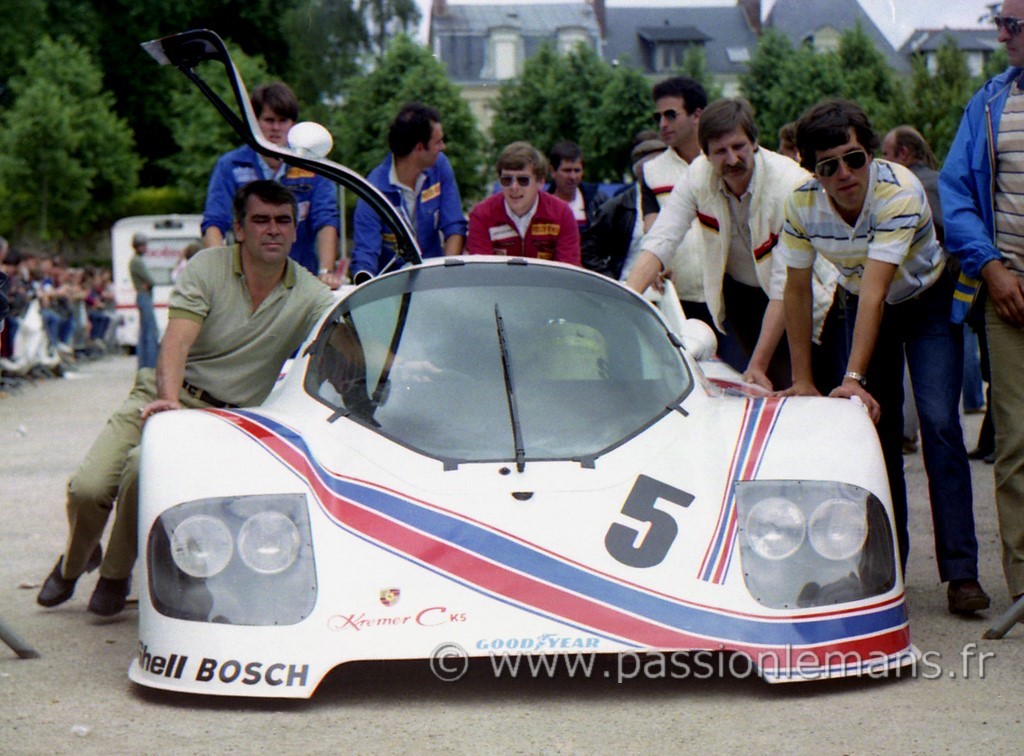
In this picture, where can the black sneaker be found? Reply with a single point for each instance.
(109, 597)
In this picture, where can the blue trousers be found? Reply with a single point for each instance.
(149, 341)
(921, 330)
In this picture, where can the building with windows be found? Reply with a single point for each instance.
(821, 23)
(978, 45)
(485, 45)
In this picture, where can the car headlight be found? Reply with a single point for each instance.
(201, 546)
(813, 543)
(240, 560)
(775, 528)
(837, 528)
(268, 543)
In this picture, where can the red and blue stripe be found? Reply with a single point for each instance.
(532, 578)
(759, 418)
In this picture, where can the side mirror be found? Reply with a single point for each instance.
(698, 339)
(310, 139)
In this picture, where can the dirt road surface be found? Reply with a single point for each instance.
(77, 697)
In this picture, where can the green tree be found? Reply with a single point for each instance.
(608, 130)
(408, 72)
(67, 161)
(996, 64)
(782, 81)
(334, 36)
(934, 100)
(199, 131)
(574, 97)
(695, 65)
(867, 78)
(24, 23)
(386, 20)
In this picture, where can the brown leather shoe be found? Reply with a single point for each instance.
(966, 597)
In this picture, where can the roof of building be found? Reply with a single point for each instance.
(724, 31)
(802, 19)
(968, 40)
(462, 31)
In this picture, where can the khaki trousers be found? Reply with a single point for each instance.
(109, 474)
(1006, 357)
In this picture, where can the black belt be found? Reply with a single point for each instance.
(205, 396)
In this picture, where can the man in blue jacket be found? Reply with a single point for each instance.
(316, 242)
(418, 180)
(982, 198)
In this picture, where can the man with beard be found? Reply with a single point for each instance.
(737, 191)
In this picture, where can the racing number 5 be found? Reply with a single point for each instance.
(621, 540)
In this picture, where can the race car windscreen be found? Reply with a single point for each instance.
(448, 359)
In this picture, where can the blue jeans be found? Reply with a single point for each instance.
(52, 323)
(148, 345)
(921, 329)
(974, 389)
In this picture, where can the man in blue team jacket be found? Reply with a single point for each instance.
(418, 180)
(982, 196)
(316, 241)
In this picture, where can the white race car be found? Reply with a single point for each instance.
(474, 457)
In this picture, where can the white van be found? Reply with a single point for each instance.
(168, 235)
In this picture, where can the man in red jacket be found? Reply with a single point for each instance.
(523, 220)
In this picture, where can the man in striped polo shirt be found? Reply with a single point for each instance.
(982, 191)
(872, 220)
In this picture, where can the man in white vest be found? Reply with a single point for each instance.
(678, 104)
(731, 205)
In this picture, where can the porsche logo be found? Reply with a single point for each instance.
(389, 596)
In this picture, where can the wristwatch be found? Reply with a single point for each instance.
(859, 377)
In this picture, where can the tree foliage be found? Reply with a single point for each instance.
(574, 97)
(387, 19)
(198, 130)
(407, 73)
(67, 162)
(695, 65)
(934, 100)
(783, 81)
(334, 37)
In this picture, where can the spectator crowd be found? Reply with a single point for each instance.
(57, 314)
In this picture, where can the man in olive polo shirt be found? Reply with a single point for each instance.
(236, 314)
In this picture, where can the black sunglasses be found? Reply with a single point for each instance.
(507, 181)
(1012, 25)
(670, 115)
(853, 160)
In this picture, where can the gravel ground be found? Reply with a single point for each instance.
(77, 698)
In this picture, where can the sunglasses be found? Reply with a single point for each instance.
(853, 160)
(1012, 25)
(507, 181)
(669, 115)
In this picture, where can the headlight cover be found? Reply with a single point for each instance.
(239, 560)
(813, 543)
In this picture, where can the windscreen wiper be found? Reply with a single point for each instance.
(389, 358)
(513, 408)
